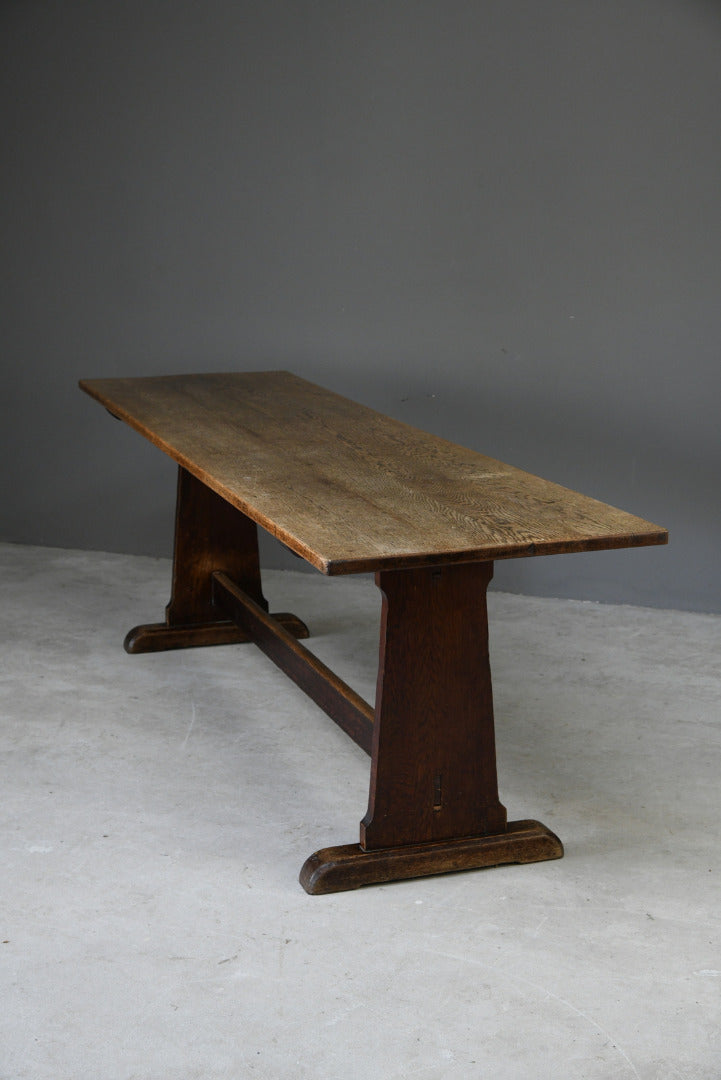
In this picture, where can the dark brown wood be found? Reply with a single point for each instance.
(433, 773)
(159, 637)
(338, 700)
(338, 869)
(210, 534)
(434, 805)
(351, 490)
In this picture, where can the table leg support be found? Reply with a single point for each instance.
(433, 805)
(210, 535)
(338, 869)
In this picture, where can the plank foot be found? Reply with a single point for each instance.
(338, 869)
(159, 637)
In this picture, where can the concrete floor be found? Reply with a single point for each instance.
(157, 810)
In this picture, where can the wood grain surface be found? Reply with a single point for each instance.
(349, 489)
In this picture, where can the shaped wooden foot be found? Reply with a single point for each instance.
(159, 637)
(338, 869)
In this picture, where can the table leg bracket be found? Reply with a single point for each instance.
(338, 869)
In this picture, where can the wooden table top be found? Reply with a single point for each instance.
(351, 490)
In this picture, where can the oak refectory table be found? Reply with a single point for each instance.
(352, 491)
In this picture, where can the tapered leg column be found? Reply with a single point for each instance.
(210, 535)
(434, 804)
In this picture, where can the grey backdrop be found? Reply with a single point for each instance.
(498, 220)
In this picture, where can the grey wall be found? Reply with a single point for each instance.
(496, 219)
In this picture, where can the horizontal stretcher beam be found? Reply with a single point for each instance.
(335, 697)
